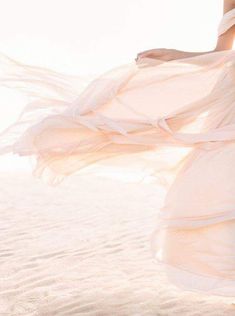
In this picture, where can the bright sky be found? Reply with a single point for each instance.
(84, 37)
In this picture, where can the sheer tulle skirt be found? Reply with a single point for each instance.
(173, 121)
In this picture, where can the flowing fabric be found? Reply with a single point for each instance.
(173, 121)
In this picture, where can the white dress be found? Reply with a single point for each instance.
(172, 120)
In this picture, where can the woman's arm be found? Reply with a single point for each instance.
(225, 41)
(228, 5)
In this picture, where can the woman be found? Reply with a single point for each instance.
(171, 115)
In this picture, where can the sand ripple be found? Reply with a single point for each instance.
(83, 249)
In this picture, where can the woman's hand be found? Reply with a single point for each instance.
(166, 54)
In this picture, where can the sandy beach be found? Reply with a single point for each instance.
(83, 249)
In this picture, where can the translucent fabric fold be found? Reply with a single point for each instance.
(226, 22)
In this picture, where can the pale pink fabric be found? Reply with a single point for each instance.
(173, 120)
(227, 22)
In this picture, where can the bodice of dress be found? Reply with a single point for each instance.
(227, 21)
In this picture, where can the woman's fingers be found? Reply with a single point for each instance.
(152, 53)
(163, 54)
(146, 53)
